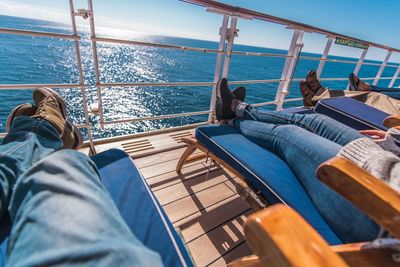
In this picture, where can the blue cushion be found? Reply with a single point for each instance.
(353, 113)
(139, 207)
(265, 172)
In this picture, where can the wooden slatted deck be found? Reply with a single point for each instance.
(202, 204)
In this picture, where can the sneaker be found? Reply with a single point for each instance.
(240, 93)
(312, 81)
(224, 101)
(52, 107)
(307, 94)
(21, 110)
(356, 84)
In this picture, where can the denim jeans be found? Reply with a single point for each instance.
(304, 141)
(60, 212)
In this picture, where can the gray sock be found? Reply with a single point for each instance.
(240, 108)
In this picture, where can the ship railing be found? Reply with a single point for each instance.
(227, 33)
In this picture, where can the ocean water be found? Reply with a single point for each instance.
(36, 60)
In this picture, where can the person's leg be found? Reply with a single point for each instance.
(326, 93)
(393, 93)
(304, 151)
(63, 215)
(28, 141)
(316, 123)
(383, 102)
(374, 88)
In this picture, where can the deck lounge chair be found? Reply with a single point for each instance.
(352, 113)
(265, 172)
(281, 237)
(138, 207)
(268, 175)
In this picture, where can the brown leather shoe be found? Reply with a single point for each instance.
(21, 110)
(307, 94)
(52, 107)
(312, 80)
(357, 85)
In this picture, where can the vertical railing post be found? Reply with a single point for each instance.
(221, 47)
(81, 79)
(96, 63)
(382, 68)
(395, 77)
(228, 53)
(324, 56)
(359, 64)
(289, 68)
(360, 61)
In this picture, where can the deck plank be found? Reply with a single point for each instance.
(197, 202)
(197, 184)
(202, 202)
(238, 252)
(214, 217)
(208, 248)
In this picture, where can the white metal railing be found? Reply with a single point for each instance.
(228, 32)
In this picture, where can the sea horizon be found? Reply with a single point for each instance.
(35, 60)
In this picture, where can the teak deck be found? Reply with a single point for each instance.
(201, 202)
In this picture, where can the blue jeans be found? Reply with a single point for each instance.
(392, 92)
(304, 141)
(60, 212)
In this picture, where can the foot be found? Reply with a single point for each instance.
(52, 107)
(240, 93)
(224, 101)
(307, 94)
(21, 110)
(357, 85)
(312, 81)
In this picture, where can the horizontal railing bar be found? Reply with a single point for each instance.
(293, 99)
(40, 34)
(185, 84)
(344, 79)
(248, 13)
(383, 78)
(2, 135)
(309, 58)
(188, 84)
(33, 86)
(130, 42)
(257, 54)
(82, 125)
(255, 81)
(264, 103)
(157, 84)
(162, 117)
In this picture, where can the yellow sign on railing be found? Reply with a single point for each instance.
(351, 43)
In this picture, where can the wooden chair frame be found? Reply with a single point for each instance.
(245, 190)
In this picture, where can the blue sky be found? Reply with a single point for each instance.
(370, 20)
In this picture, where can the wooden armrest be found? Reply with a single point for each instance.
(357, 254)
(281, 237)
(373, 196)
(392, 121)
